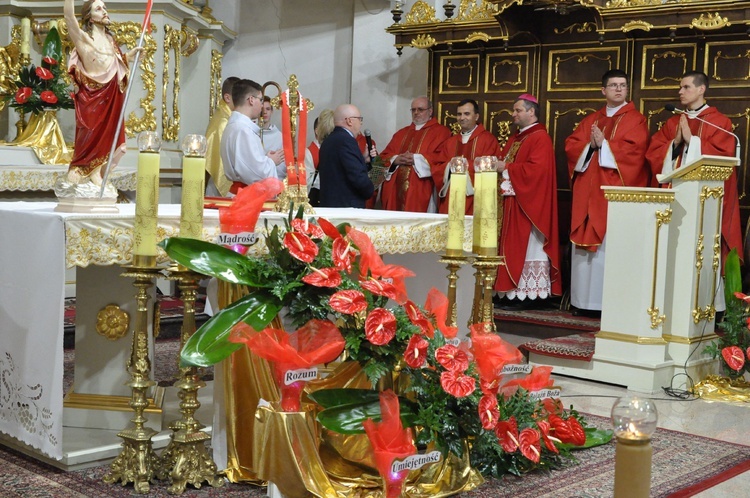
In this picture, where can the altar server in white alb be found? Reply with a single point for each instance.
(245, 161)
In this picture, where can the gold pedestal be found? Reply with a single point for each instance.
(292, 198)
(186, 460)
(485, 275)
(137, 462)
(453, 263)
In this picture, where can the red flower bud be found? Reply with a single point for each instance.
(23, 94)
(50, 61)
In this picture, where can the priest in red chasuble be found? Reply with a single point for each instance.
(529, 236)
(410, 153)
(607, 148)
(473, 141)
(684, 138)
(100, 71)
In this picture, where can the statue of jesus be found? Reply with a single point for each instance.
(100, 72)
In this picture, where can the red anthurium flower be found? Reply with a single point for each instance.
(419, 319)
(529, 443)
(416, 351)
(507, 434)
(457, 384)
(452, 358)
(489, 387)
(544, 428)
(553, 406)
(568, 431)
(348, 302)
(305, 226)
(50, 61)
(489, 414)
(734, 357)
(48, 96)
(437, 305)
(324, 277)
(23, 94)
(300, 246)
(396, 274)
(329, 228)
(748, 353)
(343, 254)
(744, 297)
(380, 288)
(44, 74)
(380, 326)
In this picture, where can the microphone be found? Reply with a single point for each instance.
(674, 110)
(368, 139)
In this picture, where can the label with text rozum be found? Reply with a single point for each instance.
(304, 374)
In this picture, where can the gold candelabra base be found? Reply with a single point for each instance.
(137, 462)
(453, 264)
(485, 275)
(187, 460)
(293, 197)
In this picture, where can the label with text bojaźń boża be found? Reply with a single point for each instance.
(414, 462)
(544, 394)
(244, 238)
(303, 374)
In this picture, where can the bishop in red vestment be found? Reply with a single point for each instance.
(607, 148)
(473, 141)
(413, 149)
(683, 138)
(529, 238)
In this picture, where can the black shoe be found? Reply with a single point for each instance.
(587, 313)
(524, 305)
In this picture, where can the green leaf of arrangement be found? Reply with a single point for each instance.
(210, 343)
(732, 276)
(212, 260)
(348, 419)
(594, 437)
(52, 47)
(328, 398)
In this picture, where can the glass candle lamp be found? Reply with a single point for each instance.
(634, 420)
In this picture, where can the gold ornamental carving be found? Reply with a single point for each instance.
(171, 124)
(616, 4)
(620, 337)
(477, 36)
(215, 95)
(708, 312)
(585, 27)
(709, 173)
(585, 111)
(503, 132)
(112, 322)
(665, 55)
(10, 64)
(633, 25)
(710, 22)
(128, 33)
(469, 10)
(662, 218)
(720, 56)
(421, 13)
(507, 62)
(423, 41)
(639, 197)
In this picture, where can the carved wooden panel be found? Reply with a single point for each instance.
(577, 69)
(563, 116)
(656, 115)
(447, 113)
(664, 64)
(507, 72)
(498, 118)
(738, 110)
(459, 74)
(728, 64)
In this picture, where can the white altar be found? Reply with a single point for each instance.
(39, 244)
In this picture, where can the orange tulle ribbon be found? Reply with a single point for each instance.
(242, 215)
(316, 342)
(390, 441)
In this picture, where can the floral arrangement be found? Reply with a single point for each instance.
(451, 391)
(733, 345)
(42, 87)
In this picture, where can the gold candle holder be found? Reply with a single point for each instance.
(485, 275)
(186, 459)
(453, 263)
(137, 461)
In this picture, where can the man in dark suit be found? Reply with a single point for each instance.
(342, 168)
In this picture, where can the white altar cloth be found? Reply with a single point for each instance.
(39, 243)
(43, 177)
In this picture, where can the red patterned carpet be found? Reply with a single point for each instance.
(548, 317)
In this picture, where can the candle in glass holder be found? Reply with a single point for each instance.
(488, 200)
(146, 199)
(457, 206)
(193, 178)
(477, 224)
(25, 35)
(634, 420)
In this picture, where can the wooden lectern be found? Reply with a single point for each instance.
(693, 272)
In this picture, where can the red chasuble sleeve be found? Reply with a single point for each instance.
(627, 135)
(714, 142)
(532, 174)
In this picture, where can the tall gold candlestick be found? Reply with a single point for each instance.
(634, 420)
(457, 206)
(193, 178)
(146, 200)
